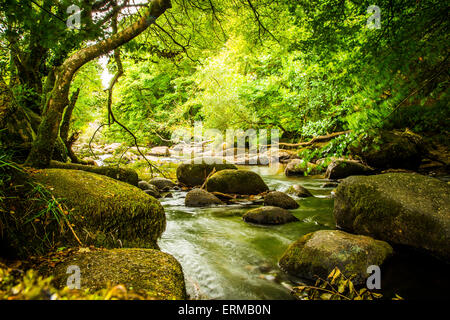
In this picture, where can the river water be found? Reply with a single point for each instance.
(225, 258)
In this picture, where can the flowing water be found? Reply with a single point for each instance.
(225, 258)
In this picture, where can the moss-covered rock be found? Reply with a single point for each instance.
(156, 272)
(104, 211)
(299, 167)
(339, 169)
(280, 199)
(391, 149)
(402, 208)
(201, 198)
(162, 183)
(299, 191)
(126, 175)
(154, 192)
(236, 182)
(318, 253)
(269, 215)
(194, 174)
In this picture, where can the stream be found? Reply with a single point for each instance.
(225, 258)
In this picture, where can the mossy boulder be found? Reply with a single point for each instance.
(236, 182)
(401, 208)
(299, 191)
(318, 253)
(157, 273)
(194, 174)
(162, 183)
(105, 212)
(298, 167)
(126, 175)
(269, 215)
(391, 149)
(201, 198)
(339, 169)
(280, 199)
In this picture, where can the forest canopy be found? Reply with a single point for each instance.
(307, 68)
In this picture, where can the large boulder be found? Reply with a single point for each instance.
(402, 208)
(280, 199)
(269, 215)
(103, 211)
(339, 169)
(200, 198)
(157, 273)
(318, 253)
(391, 149)
(126, 175)
(236, 182)
(298, 167)
(162, 183)
(194, 174)
(299, 191)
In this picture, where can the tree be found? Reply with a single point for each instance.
(48, 131)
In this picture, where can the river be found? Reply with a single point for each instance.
(225, 258)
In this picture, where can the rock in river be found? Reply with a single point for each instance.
(318, 253)
(156, 272)
(162, 183)
(236, 182)
(194, 174)
(200, 198)
(280, 199)
(401, 208)
(299, 191)
(104, 210)
(269, 215)
(339, 169)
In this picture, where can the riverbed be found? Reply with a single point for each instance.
(225, 258)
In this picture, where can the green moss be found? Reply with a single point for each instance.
(104, 211)
(402, 208)
(126, 175)
(156, 272)
(237, 182)
(318, 253)
(193, 174)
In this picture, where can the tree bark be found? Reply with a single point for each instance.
(65, 124)
(41, 152)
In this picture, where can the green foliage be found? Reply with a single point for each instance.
(335, 287)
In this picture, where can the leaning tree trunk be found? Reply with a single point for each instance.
(41, 151)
